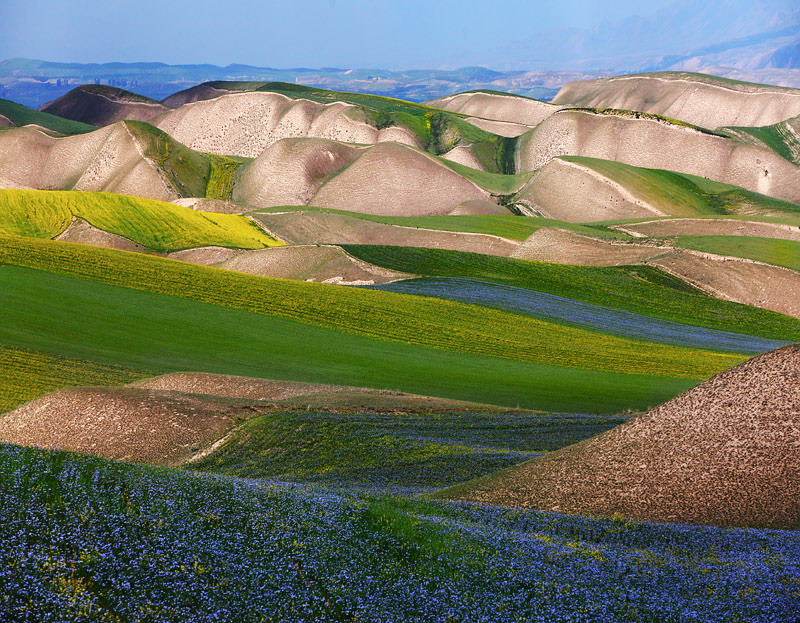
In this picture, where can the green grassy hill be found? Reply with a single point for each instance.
(784, 253)
(22, 115)
(145, 313)
(156, 225)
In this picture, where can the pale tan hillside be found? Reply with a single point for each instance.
(701, 100)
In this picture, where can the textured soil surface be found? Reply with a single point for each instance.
(724, 453)
(712, 227)
(103, 105)
(245, 124)
(328, 264)
(652, 143)
(327, 228)
(508, 108)
(85, 233)
(568, 191)
(694, 99)
(118, 423)
(109, 159)
(565, 247)
(387, 178)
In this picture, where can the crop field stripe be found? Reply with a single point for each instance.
(156, 225)
(384, 316)
(580, 314)
(114, 325)
(25, 375)
(642, 290)
(784, 253)
(507, 226)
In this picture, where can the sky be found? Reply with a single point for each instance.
(282, 33)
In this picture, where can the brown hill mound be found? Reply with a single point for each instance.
(101, 105)
(702, 100)
(509, 108)
(655, 143)
(724, 453)
(118, 423)
(315, 227)
(387, 178)
(245, 124)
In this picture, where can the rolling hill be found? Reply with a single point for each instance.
(717, 454)
(100, 105)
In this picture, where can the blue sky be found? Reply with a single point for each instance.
(281, 33)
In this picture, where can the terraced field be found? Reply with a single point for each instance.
(155, 225)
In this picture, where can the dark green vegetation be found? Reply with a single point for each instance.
(639, 289)
(146, 313)
(784, 253)
(508, 226)
(636, 114)
(156, 225)
(21, 115)
(681, 194)
(438, 131)
(86, 539)
(409, 452)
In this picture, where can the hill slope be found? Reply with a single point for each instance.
(101, 105)
(698, 99)
(718, 454)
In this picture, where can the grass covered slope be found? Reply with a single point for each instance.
(784, 253)
(400, 452)
(22, 115)
(86, 538)
(146, 312)
(156, 225)
(640, 289)
(25, 375)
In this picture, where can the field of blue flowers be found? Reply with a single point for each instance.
(83, 539)
(402, 453)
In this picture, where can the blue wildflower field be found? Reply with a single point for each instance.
(83, 539)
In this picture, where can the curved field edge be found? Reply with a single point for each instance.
(510, 226)
(156, 225)
(385, 316)
(22, 115)
(580, 314)
(114, 325)
(643, 290)
(26, 374)
(91, 529)
(784, 253)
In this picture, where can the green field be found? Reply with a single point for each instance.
(780, 138)
(156, 225)
(272, 328)
(680, 194)
(22, 115)
(784, 253)
(639, 289)
(402, 452)
(25, 375)
(508, 226)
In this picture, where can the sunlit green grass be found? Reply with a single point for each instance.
(784, 253)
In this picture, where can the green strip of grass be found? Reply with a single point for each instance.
(156, 225)
(784, 253)
(508, 226)
(22, 115)
(114, 325)
(385, 316)
(639, 289)
(25, 375)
